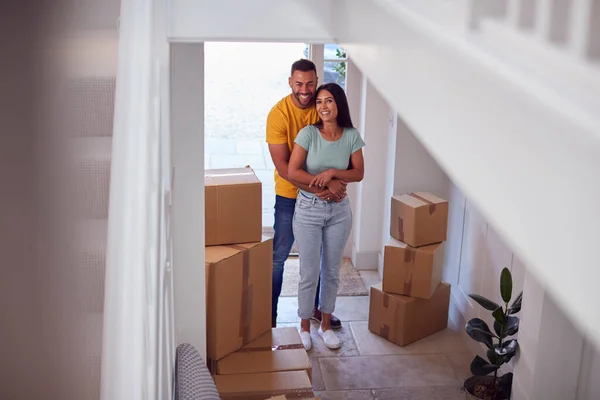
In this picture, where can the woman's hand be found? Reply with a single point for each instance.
(337, 188)
(322, 179)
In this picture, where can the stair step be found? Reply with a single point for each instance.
(93, 159)
(93, 105)
(91, 260)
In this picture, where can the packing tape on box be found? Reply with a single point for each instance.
(432, 205)
(400, 229)
(272, 348)
(297, 393)
(247, 296)
(384, 331)
(410, 255)
(212, 366)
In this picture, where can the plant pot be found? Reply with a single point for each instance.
(472, 387)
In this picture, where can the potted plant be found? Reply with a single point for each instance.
(485, 384)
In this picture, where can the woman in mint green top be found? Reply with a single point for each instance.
(331, 148)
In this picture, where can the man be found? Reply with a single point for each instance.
(285, 120)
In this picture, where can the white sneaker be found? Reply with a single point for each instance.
(306, 341)
(330, 339)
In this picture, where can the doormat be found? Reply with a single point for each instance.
(351, 283)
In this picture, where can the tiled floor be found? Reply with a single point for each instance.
(369, 367)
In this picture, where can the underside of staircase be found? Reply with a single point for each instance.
(92, 79)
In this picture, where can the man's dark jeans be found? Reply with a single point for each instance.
(282, 244)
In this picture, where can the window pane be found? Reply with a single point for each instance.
(335, 71)
(334, 52)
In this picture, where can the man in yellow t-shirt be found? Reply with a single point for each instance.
(285, 120)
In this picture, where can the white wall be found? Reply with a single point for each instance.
(375, 120)
(257, 20)
(187, 133)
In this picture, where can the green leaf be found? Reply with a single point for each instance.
(498, 315)
(507, 350)
(493, 358)
(511, 326)
(483, 302)
(515, 307)
(505, 384)
(506, 285)
(480, 332)
(480, 367)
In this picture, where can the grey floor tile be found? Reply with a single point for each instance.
(287, 310)
(347, 349)
(352, 308)
(445, 341)
(319, 350)
(369, 344)
(461, 362)
(373, 372)
(370, 277)
(345, 395)
(451, 392)
(317, 376)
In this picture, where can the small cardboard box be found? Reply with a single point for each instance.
(415, 272)
(277, 339)
(238, 296)
(260, 386)
(233, 206)
(251, 362)
(403, 320)
(278, 350)
(419, 219)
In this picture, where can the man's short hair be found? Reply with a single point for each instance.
(303, 65)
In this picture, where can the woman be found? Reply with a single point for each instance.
(329, 149)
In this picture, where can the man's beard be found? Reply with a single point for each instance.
(306, 103)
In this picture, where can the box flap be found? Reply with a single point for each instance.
(277, 339)
(248, 362)
(229, 176)
(214, 254)
(266, 384)
(419, 199)
(430, 197)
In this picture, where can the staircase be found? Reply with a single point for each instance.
(92, 73)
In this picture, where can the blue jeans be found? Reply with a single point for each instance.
(321, 229)
(282, 244)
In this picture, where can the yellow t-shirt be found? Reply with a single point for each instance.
(283, 124)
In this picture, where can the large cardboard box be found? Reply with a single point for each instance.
(419, 219)
(292, 384)
(403, 320)
(238, 296)
(412, 271)
(233, 206)
(278, 350)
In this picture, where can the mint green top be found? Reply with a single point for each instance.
(324, 154)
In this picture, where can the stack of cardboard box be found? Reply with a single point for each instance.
(247, 358)
(412, 301)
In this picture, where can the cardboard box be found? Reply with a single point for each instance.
(277, 339)
(251, 362)
(412, 271)
(403, 320)
(238, 296)
(278, 350)
(292, 384)
(233, 206)
(419, 219)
